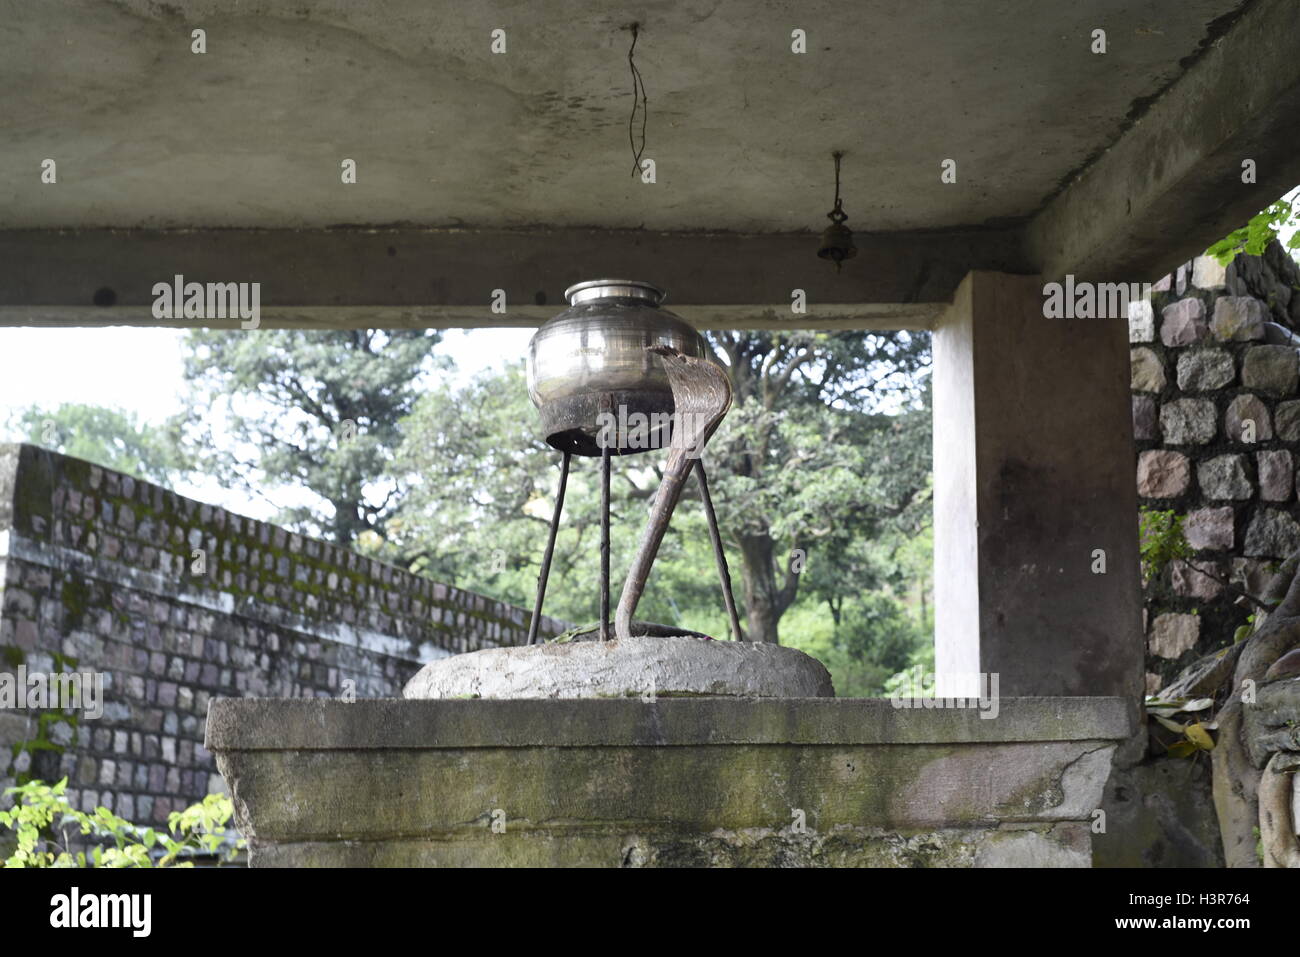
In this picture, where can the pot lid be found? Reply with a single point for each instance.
(614, 288)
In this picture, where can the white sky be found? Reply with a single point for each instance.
(140, 370)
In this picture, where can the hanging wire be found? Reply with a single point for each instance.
(839, 203)
(638, 87)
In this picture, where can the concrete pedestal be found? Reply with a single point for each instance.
(678, 781)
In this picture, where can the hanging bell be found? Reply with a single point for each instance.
(837, 239)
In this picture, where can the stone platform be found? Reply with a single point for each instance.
(626, 667)
(673, 782)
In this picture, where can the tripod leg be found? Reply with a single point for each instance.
(604, 543)
(719, 555)
(550, 552)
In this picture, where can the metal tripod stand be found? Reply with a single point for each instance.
(714, 535)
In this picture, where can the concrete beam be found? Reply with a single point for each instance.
(402, 277)
(1172, 183)
(827, 316)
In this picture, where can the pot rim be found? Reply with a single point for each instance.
(614, 289)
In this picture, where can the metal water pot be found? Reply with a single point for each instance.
(592, 359)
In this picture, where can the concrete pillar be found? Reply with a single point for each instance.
(1034, 495)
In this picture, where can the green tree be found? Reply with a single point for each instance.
(113, 438)
(319, 410)
(809, 459)
(827, 445)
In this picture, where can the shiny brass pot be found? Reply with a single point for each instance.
(592, 359)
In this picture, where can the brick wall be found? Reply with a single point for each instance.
(1216, 416)
(176, 602)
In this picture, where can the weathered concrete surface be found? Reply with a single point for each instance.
(1173, 182)
(504, 170)
(254, 724)
(622, 667)
(1014, 845)
(1036, 560)
(1159, 813)
(446, 133)
(678, 781)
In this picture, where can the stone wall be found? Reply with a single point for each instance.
(176, 602)
(1216, 416)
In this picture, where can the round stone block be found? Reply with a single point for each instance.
(625, 668)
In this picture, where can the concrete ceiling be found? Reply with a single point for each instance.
(445, 133)
(448, 136)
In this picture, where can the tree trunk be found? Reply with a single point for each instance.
(765, 601)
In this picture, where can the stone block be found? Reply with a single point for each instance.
(1141, 321)
(1286, 418)
(1208, 274)
(1251, 575)
(1204, 370)
(1223, 478)
(1201, 579)
(1162, 473)
(1173, 634)
(1270, 369)
(1247, 421)
(1238, 319)
(1272, 534)
(1189, 421)
(1146, 418)
(1182, 323)
(1210, 529)
(1276, 475)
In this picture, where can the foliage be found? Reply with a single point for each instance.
(42, 819)
(1160, 541)
(916, 680)
(1193, 737)
(319, 410)
(1261, 230)
(826, 449)
(819, 473)
(877, 638)
(113, 438)
(57, 727)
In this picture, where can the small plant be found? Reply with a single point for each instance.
(1161, 541)
(1193, 737)
(43, 819)
(1262, 229)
